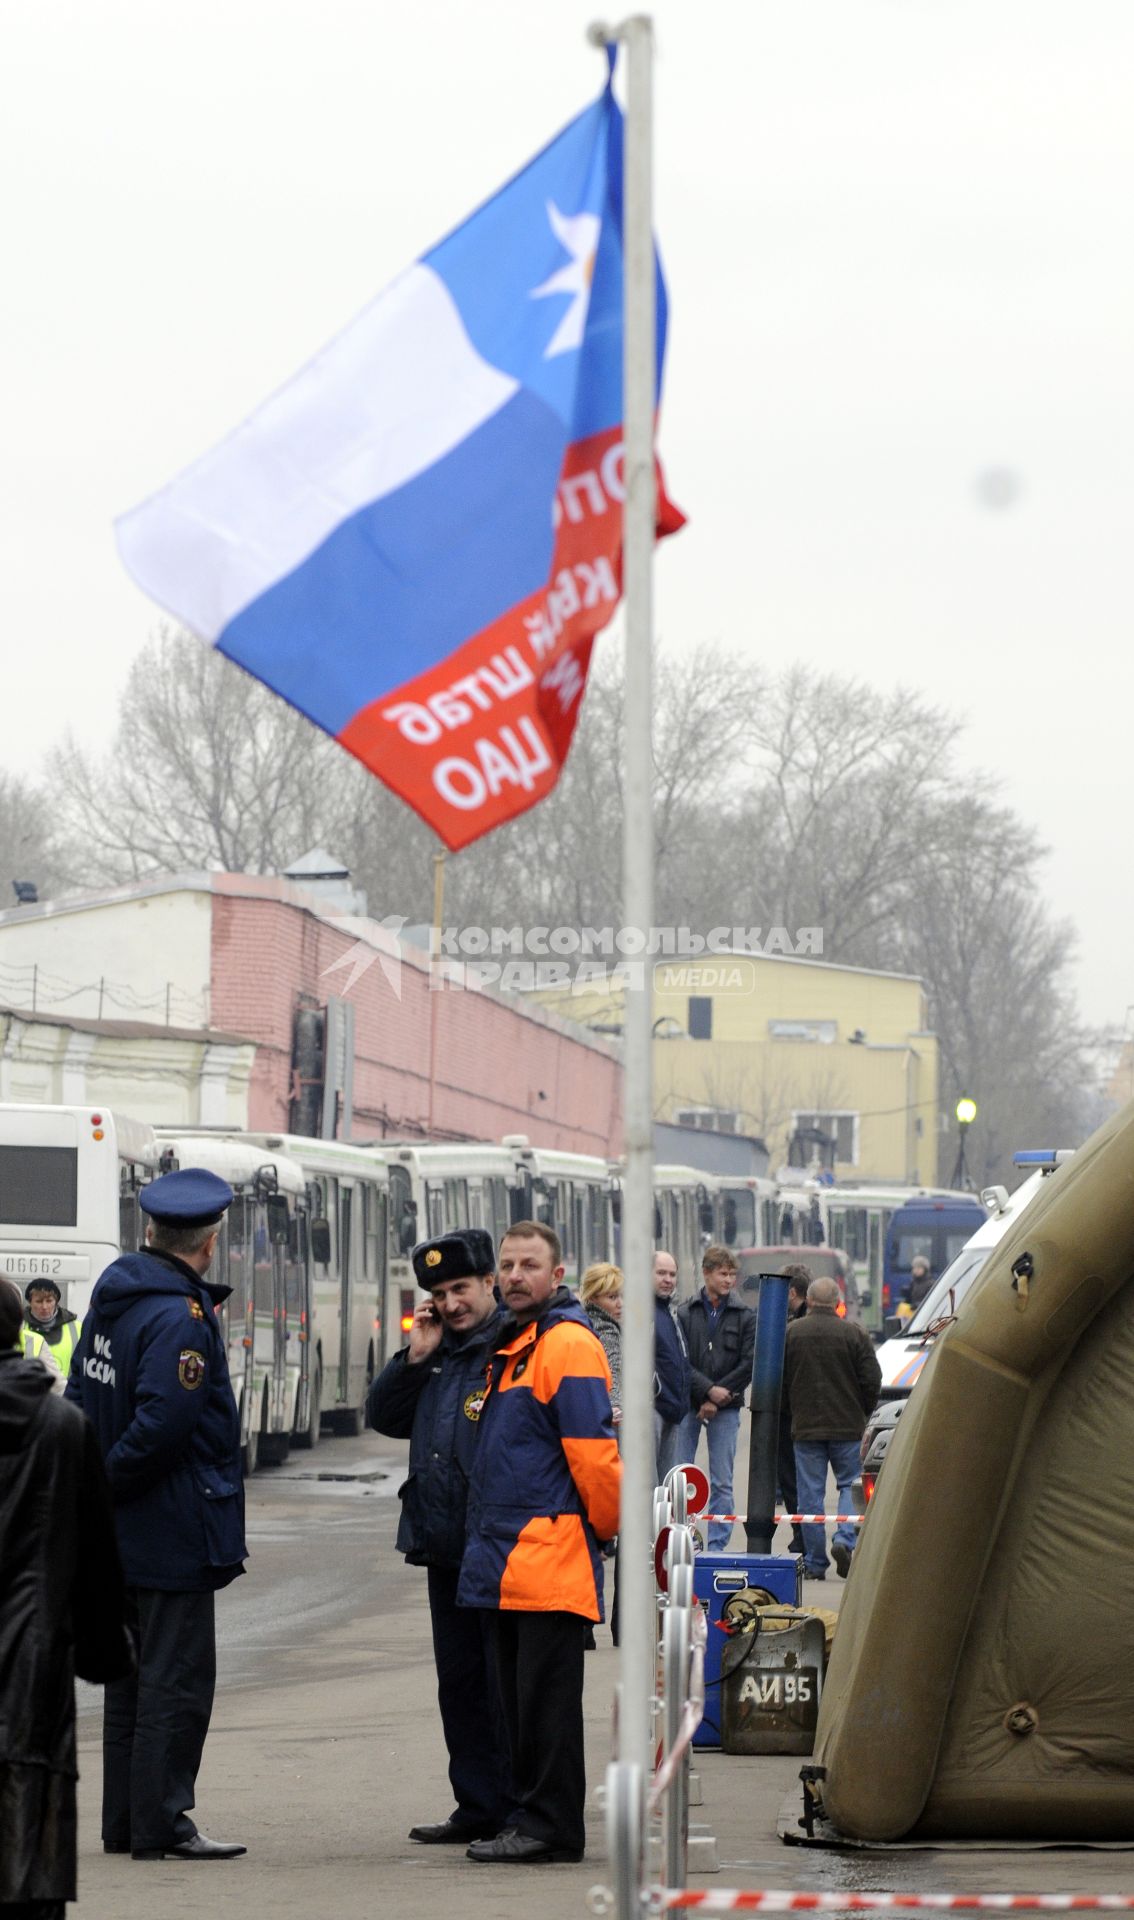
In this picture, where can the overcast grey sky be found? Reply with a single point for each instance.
(898, 237)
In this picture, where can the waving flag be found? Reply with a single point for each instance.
(416, 540)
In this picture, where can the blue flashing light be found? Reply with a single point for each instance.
(1041, 1156)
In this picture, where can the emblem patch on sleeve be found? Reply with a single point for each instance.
(474, 1403)
(191, 1369)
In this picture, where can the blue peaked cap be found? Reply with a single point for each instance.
(192, 1197)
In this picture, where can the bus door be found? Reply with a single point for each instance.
(346, 1297)
(265, 1328)
(404, 1223)
(239, 1314)
(288, 1365)
(385, 1342)
(299, 1314)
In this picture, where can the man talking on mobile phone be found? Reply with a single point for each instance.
(432, 1393)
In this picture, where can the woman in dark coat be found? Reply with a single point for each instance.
(62, 1606)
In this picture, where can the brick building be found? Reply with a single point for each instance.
(340, 1011)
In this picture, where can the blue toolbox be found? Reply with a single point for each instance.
(737, 1582)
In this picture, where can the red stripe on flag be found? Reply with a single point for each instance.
(483, 736)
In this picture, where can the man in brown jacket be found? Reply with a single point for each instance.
(832, 1379)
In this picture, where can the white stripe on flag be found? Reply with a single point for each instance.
(391, 395)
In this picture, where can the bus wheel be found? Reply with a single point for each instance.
(309, 1435)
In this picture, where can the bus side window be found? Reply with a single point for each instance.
(129, 1222)
(237, 1255)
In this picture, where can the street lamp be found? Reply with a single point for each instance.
(965, 1112)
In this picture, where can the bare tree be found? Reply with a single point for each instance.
(798, 800)
(207, 769)
(975, 926)
(28, 843)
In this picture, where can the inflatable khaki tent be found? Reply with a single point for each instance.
(982, 1677)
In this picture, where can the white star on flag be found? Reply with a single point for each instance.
(578, 234)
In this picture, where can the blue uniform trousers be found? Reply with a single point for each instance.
(539, 1665)
(469, 1699)
(154, 1723)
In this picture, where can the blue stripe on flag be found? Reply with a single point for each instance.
(409, 579)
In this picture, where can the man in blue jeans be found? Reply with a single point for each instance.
(720, 1333)
(833, 1380)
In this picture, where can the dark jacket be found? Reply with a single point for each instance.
(61, 1611)
(151, 1374)
(437, 1406)
(672, 1377)
(832, 1377)
(719, 1356)
(546, 1479)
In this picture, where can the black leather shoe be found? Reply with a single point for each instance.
(109, 1846)
(841, 1555)
(450, 1833)
(514, 1849)
(197, 1848)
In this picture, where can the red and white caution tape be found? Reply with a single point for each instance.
(719, 1900)
(795, 1519)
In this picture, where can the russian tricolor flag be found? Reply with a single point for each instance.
(416, 540)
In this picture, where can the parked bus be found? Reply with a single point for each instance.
(857, 1221)
(69, 1180)
(746, 1211)
(435, 1188)
(935, 1226)
(353, 1324)
(264, 1255)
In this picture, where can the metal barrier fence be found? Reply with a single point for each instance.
(630, 1807)
(680, 1704)
(722, 1900)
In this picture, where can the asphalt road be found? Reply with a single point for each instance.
(325, 1748)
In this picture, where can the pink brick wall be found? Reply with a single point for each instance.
(497, 1071)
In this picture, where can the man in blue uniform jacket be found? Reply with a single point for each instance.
(151, 1374)
(433, 1392)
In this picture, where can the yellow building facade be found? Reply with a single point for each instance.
(776, 1047)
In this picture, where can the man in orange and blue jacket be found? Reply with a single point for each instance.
(543, 1495)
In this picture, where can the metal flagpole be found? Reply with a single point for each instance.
(638, 1630)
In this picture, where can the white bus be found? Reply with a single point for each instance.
(69, 1180)
(264, 1255)
(355, 1323)
(435, 1189)
(856, 1220)
(747, 1213)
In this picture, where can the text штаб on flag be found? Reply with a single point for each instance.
(416, 540)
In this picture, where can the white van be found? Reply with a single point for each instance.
(903, 1357)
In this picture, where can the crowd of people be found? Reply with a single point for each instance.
(509, 1392)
